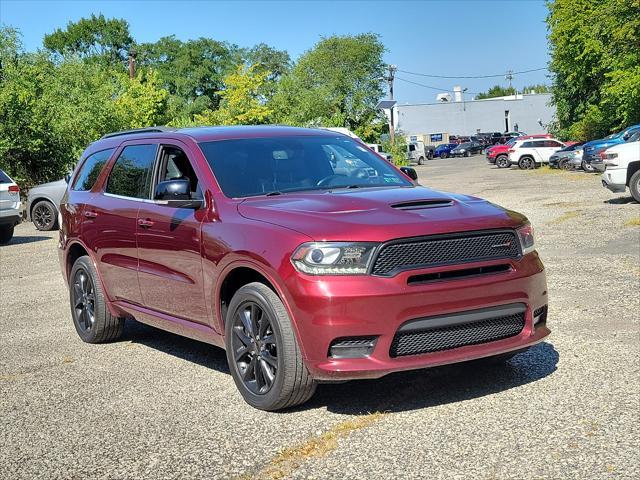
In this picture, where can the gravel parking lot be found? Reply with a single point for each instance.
(155, 405)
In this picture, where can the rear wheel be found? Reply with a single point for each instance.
(525, 163)
(263, 354)
(91, 317)
(502, 161)
(6, 234)
(421, 161)
(634, 186)
(44, 215)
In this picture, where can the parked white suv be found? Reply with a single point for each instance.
(9, 207)
(622, 168)
(532, 153)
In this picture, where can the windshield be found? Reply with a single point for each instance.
(260, 166)
(464, 145)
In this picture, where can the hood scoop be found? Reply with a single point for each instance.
(421, 204)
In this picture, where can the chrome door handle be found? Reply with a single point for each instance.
(90, 214)
(145, 223)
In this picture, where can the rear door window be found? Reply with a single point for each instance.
(132, 172)
(4, 178)
(90, 169)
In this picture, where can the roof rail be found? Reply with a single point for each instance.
(139, 130)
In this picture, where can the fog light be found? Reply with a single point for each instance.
(540, 315)
(352, 347)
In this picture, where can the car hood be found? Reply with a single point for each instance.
(58, 185)
(602, 142)
(378, 214)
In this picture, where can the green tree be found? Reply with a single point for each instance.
(94, 37)
(595, 62)
(496, 91)
(241, 102)
(336, 84)
(538, 88)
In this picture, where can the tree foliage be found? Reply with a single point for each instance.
(337, 83)
(496, 91)
(595, 62)
(241, 103)
(94, 37)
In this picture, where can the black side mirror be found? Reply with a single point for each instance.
(409, 172)
(67, 177)
(177, 194)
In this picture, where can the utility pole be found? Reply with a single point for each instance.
(132, 63)
(509, 76)
(389, 79)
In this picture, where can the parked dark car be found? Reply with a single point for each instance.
(563, 158)
(250, 239)
(444, 150)
(489, 138)
(466, 149)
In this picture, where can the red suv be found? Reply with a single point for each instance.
(304, 254)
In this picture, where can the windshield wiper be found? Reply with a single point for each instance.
(273, 194)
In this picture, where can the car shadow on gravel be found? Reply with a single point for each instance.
(20, 240)
(425, 388)
(194, 351)
(620, 201)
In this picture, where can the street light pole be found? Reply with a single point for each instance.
(392, 72)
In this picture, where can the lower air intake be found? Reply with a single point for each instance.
(454, 331)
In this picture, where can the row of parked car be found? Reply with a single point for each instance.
(617, 157)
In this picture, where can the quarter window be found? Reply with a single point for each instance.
(131, 174)
(90, 169)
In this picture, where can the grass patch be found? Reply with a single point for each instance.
(565, 217)
(633, 222)
(289, 459)
(567, 174)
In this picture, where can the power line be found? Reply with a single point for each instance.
(429, 86)
(472, 76)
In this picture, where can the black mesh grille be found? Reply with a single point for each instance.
(452, 249)
(454, 336)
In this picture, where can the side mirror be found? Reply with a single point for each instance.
(177, 194)
(67, 177)
(409, 172)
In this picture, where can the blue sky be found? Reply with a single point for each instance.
(431, 37)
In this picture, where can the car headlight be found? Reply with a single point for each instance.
(525, 234)
(333, 258)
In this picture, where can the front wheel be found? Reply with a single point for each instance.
(6, 234)
(634, 186)
(443, 155)
(564, 164)
(263, 354)
(466, 154)
(502, 161)
(91, 317)
(587, 167)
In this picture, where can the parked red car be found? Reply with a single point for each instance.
(304, 254)
(499, 154)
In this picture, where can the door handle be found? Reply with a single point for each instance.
(145, 223)
(90, 214)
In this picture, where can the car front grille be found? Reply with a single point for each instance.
(440, 250)
(408, 341)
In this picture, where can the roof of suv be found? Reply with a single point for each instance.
(204, 134)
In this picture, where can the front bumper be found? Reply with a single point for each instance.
(359, 306)
(615, 179)
(598, 165)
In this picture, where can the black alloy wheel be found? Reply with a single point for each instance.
(526, 163)
(255, 348)
(502, 161)
(443, 155)
(83, 300)
(44, 216)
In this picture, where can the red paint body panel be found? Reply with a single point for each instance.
(169, 273)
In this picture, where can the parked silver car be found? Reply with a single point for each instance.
(43, 203)
(9, 207)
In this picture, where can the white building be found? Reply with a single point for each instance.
(522, 112)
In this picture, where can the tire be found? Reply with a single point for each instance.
(421, 161)
(443, 155)
(586, 167)
(246, 334)
(526, 163)
(44, 216)
(6, 234)
(502, 161)
(87, 299)
(467, 154)
(564, 164)
(429, 155)
(634, 186)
